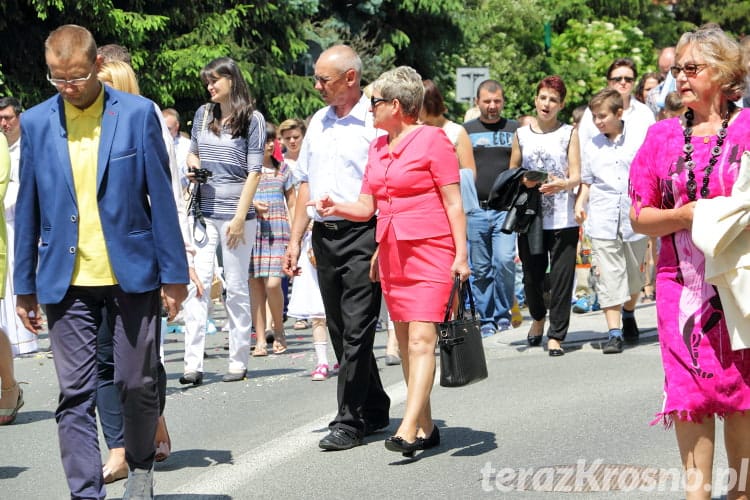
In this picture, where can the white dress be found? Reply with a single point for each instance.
(306, 302)
(22, 341)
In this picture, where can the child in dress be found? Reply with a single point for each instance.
(271, 240)
(618, 252)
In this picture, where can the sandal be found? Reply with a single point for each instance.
(163, 448)
(8, 415)
(110, 476)
(301, 324)
(279, 343)
(259, 351)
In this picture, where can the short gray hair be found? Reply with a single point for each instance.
(405, 84)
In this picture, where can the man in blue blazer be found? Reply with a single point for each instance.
(97, 230)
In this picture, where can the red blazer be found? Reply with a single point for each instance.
(406, 183)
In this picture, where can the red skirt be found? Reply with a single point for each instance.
(416, 276)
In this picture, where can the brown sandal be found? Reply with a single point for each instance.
(279, 343)
(259, 351)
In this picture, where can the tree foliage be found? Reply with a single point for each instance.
(583, 53)
(277, 41)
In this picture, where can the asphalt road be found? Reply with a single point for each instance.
(538, 427)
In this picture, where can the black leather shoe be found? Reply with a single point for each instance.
(194, 378)
(375, 427)
(234, 376)
(399, 445)
(630, 332)
(534, 341)
(556, 352)
(430, 441)
(340, 439)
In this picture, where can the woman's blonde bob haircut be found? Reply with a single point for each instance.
(722, 53)
(405, 85)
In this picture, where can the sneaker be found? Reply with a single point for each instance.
(503, 324)
(613, 345)
(630, 330)
(320, 372)
(487, 331)
(140, 485)
(581, 305)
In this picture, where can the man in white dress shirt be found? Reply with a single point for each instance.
(332, 162)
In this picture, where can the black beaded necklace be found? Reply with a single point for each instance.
(687, 149)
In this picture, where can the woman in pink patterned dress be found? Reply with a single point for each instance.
(412, 180)
(683, 159)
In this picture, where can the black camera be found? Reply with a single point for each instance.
(201, 175)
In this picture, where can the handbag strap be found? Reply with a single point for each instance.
(472, 307)
(451, 299)
(460, 289)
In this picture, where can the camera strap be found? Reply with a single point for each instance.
(199, 225)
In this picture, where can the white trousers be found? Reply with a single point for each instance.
(235, 262)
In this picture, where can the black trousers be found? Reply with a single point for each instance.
(343, 251)
(560, 255)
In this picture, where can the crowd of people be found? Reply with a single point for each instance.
(376, 197)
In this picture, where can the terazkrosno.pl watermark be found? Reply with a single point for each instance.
(593, 476)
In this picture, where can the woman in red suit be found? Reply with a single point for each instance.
(412, 181)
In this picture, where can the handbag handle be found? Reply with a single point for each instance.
(459, 288)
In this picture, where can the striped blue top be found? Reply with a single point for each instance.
(230, 160)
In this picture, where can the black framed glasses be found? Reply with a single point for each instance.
(690, 70)
(374, 101)
(60, 82)
(617, 79)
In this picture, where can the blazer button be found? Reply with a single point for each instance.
(72, 249)
(73, 218)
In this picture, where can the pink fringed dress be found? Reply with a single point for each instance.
(703, 377)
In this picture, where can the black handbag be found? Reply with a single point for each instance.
(462, 358)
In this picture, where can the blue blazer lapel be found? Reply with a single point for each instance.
(60, 138)
(107, 136)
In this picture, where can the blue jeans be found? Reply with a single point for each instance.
(493, 270)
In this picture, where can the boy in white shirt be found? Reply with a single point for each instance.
(618, 252)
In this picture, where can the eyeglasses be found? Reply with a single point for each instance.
(690, 70)
(327, 79)
(627, 79)
(77, 82)
(374, 101)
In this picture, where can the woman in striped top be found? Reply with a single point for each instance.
(228, 139)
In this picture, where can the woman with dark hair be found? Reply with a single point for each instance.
(550, 149)
(646, 83)
(433, 113)
(684, 163)
(224, 163)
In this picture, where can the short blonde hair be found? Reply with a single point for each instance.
(722, 52)
(292, 124)
(405, 85)
(120, 76)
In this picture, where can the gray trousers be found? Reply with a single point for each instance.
(73, 326)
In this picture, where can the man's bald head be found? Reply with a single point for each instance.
(342, 58)
(666, 59)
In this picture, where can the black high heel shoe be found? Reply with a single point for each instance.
(534, 340)
(430, 441)
(400, 445)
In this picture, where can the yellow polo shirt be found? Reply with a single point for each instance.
(92, 266)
